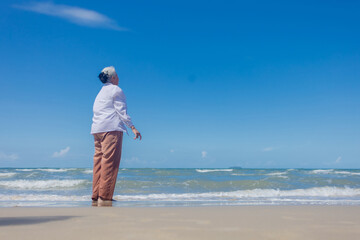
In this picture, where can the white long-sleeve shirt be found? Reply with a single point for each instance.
(110, 112)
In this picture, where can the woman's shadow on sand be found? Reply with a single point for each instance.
(6, 221)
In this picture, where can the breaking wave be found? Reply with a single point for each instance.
(41, 184)
(329, 192)
(4, 175)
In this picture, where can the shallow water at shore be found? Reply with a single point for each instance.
(183, 187)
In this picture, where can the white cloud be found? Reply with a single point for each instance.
(4, 156)
(77, 15)
(204, 154)
(133, 160)
(338, 159)
(61, 153)
(268, 149)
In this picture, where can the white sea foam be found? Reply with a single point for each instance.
(327, 192)
(7, 174)
(275, 173)
(88, 171)
(39, 204)
(54, 170)
(322, 171)
(42, 197)
(45, 169)
(262, 194)
(332, 171)
(321, 195)
(213, 170)
(41, 184)
(347, 173)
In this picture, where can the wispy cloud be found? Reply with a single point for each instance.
(268, 149)
(204, 154)
(61, 153)
(338, 159)
(133, 160)
(12, 156)
(77, 15)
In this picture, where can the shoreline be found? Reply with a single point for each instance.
(205, 222)
(132, 205)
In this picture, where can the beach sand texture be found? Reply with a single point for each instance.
(220, 222)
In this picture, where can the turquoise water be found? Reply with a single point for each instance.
(183, 187)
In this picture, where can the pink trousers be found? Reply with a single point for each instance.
(106, 163)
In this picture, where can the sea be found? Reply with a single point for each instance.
(168, 187)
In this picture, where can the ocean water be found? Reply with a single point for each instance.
(157, 187)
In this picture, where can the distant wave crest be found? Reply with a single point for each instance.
(213, 170)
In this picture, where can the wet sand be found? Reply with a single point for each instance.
(171, 223)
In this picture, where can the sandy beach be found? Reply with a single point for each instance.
(220, 222)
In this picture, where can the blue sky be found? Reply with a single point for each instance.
(208, 83)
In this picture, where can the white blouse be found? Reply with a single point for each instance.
(110, 112)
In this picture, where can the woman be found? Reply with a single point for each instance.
(109, 120)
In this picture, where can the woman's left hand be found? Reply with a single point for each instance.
(137, 133)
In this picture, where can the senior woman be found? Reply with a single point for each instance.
(109, 122)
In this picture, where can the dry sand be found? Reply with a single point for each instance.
(171, 223)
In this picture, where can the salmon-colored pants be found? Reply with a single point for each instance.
(106, 163)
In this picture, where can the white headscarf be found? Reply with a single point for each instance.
(109, 71)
